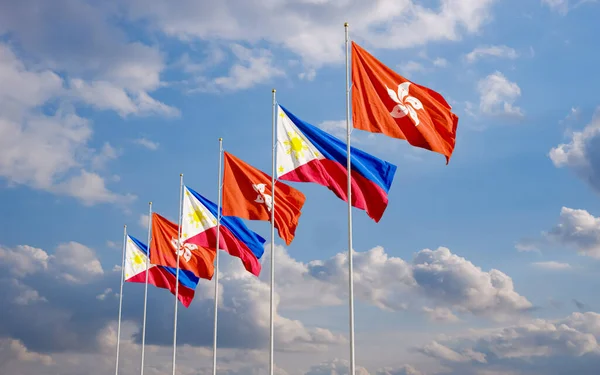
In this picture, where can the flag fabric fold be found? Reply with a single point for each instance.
(247, 194)
(306, 153)
(385, 102)
(200, 228)
(136, 254)
(192, 257)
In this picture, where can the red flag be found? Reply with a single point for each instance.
(192, 257)
(385, 102)
(247, 194)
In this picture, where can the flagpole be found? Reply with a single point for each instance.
(271, 300)
(121, 298)
(146, 287)
(177, 272)
(349, 187)
(220, 185)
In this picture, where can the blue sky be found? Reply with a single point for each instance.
(103, 106)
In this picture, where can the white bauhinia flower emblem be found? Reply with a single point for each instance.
(262, 198)
(407, 105)
(185, 249)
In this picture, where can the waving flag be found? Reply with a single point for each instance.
(247, 194)
(385, 102)
(306, 153)
(198, 260)
(200, 228)
(161, 277)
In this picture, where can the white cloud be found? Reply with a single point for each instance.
(254, 66)
(105, 155)
(580, 155)
(578, 229)
(440, 314)
(441, 62)
(497, 95)
(550, 347)
(145, 142)
(24, 260)
(76, 263)
(393, 284)
(106, 95)
(552, 265)
(404, 370)
(59, 140)
(501, 51)
(314, 30)
(335, 367)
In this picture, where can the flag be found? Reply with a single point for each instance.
(306, 153)
(198, 260)
(385, 102)
(200, 228)
(161, 277)
(247, 194)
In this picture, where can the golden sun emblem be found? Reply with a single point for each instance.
(198, 218)
(296, 145)
(137, 259)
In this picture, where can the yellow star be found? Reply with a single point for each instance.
(281, 169)
(281, 114)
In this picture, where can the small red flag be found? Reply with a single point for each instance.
(385, 102)
(247, 194)
(192, 257)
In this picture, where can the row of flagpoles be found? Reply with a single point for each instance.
(406, 111)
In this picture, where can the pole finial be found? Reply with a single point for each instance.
(273, 90)
(345, 24)
(181, 175)
(150, 203)
(125, 226)
(220, 139)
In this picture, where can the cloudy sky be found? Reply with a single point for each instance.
(486, 266)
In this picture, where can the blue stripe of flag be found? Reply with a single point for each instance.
(186, 278)
(236, 226)
(370, 167)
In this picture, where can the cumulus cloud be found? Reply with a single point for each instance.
(314, 30)
(577, 229)
(580, 154)
(498, 95)
(551, 347)
(59, 140)
(451, 282)
(60, 303)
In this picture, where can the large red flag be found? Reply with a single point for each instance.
(192, 257)
(247, 194)
(385, 102)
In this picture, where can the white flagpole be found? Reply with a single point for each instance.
(177, 272)
(349, 185)
(146, 287)
(121, 298)
(272, 295)
(216, 275)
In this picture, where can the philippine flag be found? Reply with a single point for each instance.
(306, 153)
(136, 259)
(199, 227)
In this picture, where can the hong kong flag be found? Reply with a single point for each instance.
(385, 102)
